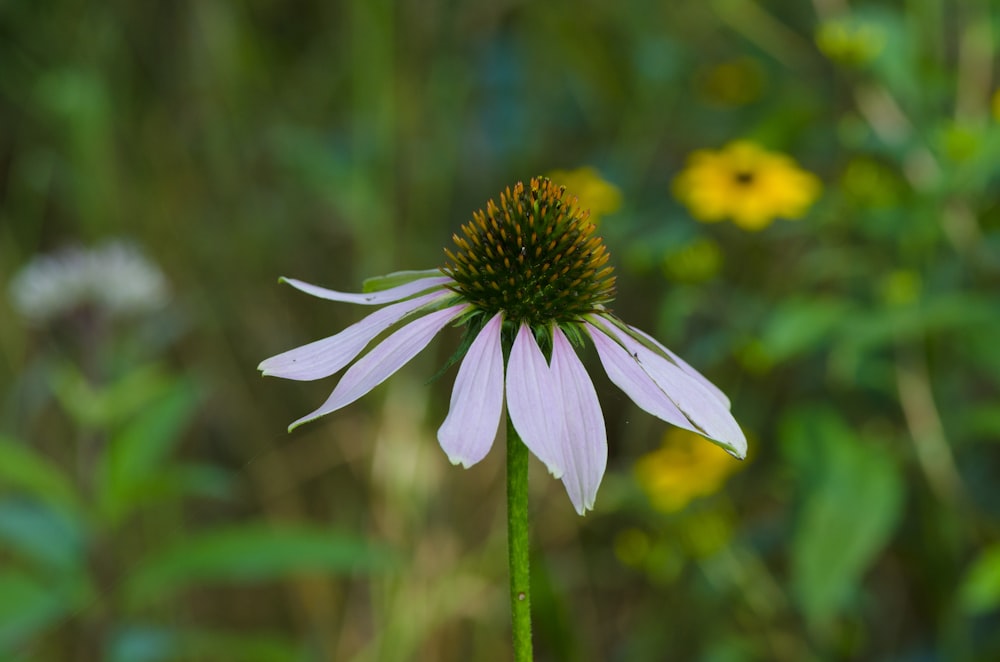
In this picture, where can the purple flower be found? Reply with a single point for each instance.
(528, 282)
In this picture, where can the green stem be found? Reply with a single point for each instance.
(517, 543)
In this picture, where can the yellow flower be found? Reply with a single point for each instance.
(746, 183)
(593, 192)
(682, 469)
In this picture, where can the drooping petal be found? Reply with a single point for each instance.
(625, 372)
(683, 365)
(370, 298)
(476, 399)
(324, 357)
(707, 414)
(384, 359)
(700, 405)
(584, 441)
(534, 401)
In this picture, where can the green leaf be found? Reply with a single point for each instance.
(139, 643)
(45, 536)
(973, 155)
(28, 607)
(23, 469)
(980, 420)
(397, 278)
(172, 483)
(800, 325)
(108, 407)
(948, 313)
(863, 336)
(140, 452)
(852, 500)
(980, 591)
(251, 553)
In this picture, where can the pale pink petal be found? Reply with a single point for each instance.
(370, 298)
(534, 402)
(683, 365)
(324, 357)
(384, 359)
(625, 372)
(707, 414)
(476, 399)
(584, 441)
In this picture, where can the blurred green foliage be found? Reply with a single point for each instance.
(152, 506)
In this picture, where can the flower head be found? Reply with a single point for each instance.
(529, 280)
(747, 184)
(115, 278)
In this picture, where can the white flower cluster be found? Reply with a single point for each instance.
(115, 277)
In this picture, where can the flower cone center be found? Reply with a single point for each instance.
(532, 255)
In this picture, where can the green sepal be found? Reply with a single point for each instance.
(396, 278)
(543, 336)
(574, 333)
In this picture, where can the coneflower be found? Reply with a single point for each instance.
(529, 280)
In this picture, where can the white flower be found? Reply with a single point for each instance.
(115, 277)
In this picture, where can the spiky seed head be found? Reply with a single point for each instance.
(534, 256)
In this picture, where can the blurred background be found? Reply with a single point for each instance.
(802, 199)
